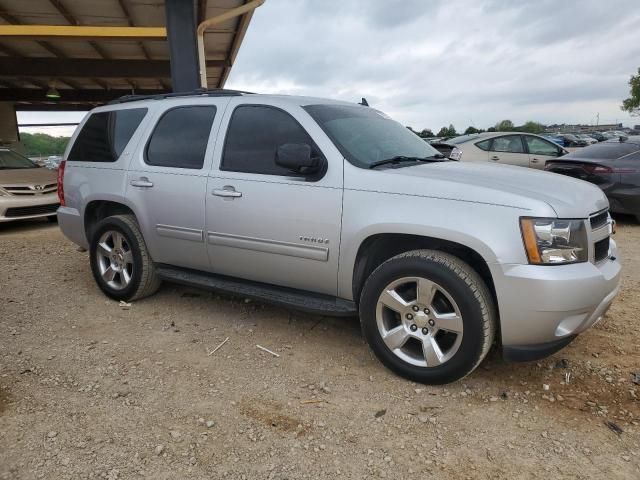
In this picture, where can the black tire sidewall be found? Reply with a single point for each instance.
(114, 223)
(470, 350)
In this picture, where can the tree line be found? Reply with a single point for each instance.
(502, 126)
(41, 144)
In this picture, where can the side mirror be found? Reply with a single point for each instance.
(297, 158)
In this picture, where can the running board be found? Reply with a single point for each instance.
(286, 297)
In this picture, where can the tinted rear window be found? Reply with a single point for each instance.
(105, 135)
(606, 150)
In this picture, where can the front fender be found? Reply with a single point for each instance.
(491, 231)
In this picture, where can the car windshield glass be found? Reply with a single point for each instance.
(11, 160)
(607, 150)
(366, 136)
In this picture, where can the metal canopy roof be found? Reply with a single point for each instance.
(93, 69)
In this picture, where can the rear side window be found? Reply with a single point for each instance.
(254, 134)
(180, 137)
(105, 135)
(484, 145)
(508, 144)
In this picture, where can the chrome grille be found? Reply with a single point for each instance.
(36, 189)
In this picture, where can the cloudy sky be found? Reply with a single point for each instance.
(429, 63)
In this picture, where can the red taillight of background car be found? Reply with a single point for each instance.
(596, 169)
(61, 182)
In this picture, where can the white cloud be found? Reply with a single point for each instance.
(432, 63)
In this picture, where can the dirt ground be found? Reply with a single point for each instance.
(89, 389)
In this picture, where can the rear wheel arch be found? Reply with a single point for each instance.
(378, 248)
(97, 210)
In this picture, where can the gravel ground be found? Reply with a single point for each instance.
(91, 389)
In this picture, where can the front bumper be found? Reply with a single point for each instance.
(543, 307)
(20, 207)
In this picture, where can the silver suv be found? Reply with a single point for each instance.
(334, 208)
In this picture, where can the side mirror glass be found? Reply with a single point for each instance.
(297, 158)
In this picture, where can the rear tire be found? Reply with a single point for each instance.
(120, 261)
(428, 316)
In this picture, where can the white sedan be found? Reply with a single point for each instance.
(512, 148)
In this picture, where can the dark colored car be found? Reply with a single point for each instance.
(571, 140)
(598, 136)
(612, 165)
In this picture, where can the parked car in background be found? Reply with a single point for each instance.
(270, 197)
(571, 141)
(613, 165)
(26, 189)
(599, 136)
(510, 148)
(554, 138)
(587, 138)
(53, 162)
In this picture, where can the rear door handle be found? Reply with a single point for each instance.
(535, 160)
(495, 158)
(227, 191)
(142, 182)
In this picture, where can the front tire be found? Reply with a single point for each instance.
(428, 316)
(120, 261)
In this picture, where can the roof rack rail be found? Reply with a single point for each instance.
(203, 92)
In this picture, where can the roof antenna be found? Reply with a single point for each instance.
(364, 102)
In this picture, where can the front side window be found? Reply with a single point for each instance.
(180, 137)
(105, 135)
(365, 135)
(507, 144)
(537, 146)
(10, 160)
(255, 132)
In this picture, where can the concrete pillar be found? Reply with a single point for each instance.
(9, 136)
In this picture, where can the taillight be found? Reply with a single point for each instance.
(61, 182)
(595, 169)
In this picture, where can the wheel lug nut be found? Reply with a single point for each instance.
(426, 310)
(415, 308)
(431, 322)
(425, 331)
(409, 316)
(414, 327)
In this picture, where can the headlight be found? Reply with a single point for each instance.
(549, 241)
(456, 154)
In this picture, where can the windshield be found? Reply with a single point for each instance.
(11, 160)
(365, 135)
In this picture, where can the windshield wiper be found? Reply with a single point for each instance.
(438, 157)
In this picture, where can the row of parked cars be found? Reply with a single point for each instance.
(613, 164)
(572, 140)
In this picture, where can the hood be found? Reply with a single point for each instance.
(538, 192)
(28, 176)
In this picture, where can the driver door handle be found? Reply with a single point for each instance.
(226, 191)
(141, 182)
(495, 158)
